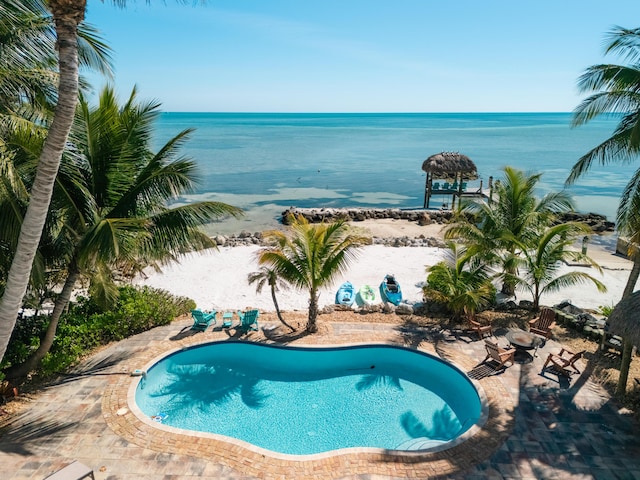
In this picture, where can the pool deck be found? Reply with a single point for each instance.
(538, 426)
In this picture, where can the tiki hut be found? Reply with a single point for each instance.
(449, 166)
(623, 320)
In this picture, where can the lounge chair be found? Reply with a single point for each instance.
(248, 319)
(435, 186)
(446, 185)
(74, 471)
(544, 323)
(454, 186)
(564, 362)
(464, 186)
(202, 320)
(498, 354)
(480, 329)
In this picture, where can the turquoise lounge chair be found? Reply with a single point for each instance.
(464, 186)
(446, 186)
(248, 319)
(435, 186)
(202, 320)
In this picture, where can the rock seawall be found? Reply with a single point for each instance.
(597, 223)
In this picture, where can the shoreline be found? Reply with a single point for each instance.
(217, 279)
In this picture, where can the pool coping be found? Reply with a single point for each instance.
(474, 446)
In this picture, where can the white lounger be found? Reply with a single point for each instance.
(74, 471)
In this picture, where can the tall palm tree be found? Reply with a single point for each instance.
(461, 281)
(310, 256)
(614, 90)
(67, 15)
(542, 262)
(115, 210)
(516, 217)
(268, 276)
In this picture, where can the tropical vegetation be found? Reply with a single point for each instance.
(310, 256)
(497, 230)
(613, 89)
(34, 51)
(113, 213)
(541, 264)
(268, 276)
(87, 325)
(462, 282)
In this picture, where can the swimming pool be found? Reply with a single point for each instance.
(302, 401)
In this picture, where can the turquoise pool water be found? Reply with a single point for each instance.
(310, 400)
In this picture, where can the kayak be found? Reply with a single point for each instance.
(346, 294)
(390, 290)
(367, 295)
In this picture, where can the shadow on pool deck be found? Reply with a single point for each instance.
(557, 430)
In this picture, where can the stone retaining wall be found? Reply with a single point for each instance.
(598, 223)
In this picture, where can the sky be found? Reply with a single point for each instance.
(358, 55)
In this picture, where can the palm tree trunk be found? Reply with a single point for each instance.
(633, 276)
(67, 15)
(21, 371)
(625, 363)
(312, 327)
(275, 304)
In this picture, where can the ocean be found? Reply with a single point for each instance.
(267, 162)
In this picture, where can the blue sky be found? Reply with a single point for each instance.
(359, 55)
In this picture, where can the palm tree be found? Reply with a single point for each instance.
(628, 224)
(462, 282)
(114, 210)
(614, 90)
(264, 276)
(499, 228)
(310, 256)
(67, 15)
(541, 263)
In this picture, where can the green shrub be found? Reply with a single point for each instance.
(85, 326)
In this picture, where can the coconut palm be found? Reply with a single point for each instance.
(310, 256)
(461, 281)
(67, 15)
(115, 210)
(614, 89)
(498, 229)
(268, 276)
(541, 264)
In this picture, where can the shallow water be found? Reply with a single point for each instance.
(265, 163)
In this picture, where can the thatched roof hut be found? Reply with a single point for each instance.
(448, 166)
(625, 318)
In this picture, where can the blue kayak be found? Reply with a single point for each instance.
(346, 294)
(390, 290)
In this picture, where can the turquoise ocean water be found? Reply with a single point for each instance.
(265, 163)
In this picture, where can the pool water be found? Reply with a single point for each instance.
(310, 400)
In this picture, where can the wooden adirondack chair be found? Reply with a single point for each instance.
(544, 323)
(564, 361)
(481, 329)
(498, 354)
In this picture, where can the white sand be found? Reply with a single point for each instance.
(218, 279)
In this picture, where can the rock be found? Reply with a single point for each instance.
(404, 309)
(388, 308)
(526, 304)
(220, 240)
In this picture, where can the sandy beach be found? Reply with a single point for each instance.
(217, 279)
